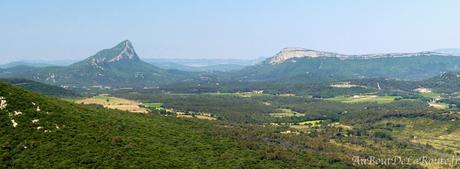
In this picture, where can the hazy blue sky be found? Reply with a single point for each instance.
(56, 29)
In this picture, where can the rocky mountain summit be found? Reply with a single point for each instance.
(122, 52)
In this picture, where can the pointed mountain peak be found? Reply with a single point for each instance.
(124, 51)
(125, 44)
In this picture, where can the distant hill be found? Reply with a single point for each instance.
(119, 66)
(24, 63)
(204, 62)
(303, 65)
(210, 68)
(450, 51)
(42, 132)
(447, 82)
(204, 65)
(41, 87)
(38, 63)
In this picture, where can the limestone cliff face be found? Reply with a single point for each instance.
(289, 53)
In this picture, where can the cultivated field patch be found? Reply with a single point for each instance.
(286, 113)
(114, 103)
(364, 99)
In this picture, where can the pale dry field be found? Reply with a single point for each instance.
(114, 103)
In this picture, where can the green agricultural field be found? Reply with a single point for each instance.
(364, 99)
(432, 95)
(239, 94)
(153, 105)
(286, 113)
(304, 126)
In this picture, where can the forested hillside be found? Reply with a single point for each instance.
(42, 132)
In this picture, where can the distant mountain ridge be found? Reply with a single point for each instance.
(25, 63)
(310, 66)
(450, 51)
(210, 68)
(290, 53)
(121, 67)
(203, 65)
(38, 63)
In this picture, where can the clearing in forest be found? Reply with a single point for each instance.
(114, 103)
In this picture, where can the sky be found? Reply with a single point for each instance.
(223, 29)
